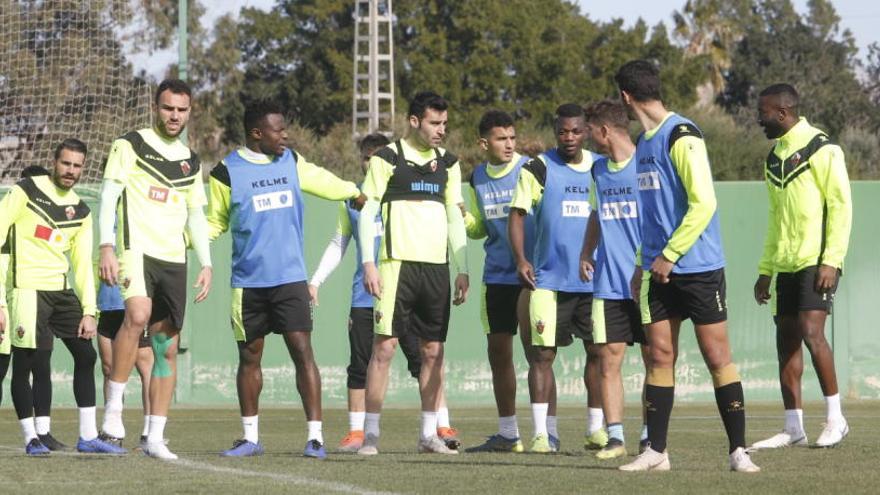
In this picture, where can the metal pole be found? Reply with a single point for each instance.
(182, 45)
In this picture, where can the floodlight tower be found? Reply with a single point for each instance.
(373, 100)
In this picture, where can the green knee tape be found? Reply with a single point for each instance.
(160, 344)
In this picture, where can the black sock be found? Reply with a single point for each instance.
(22, 395)
(84, 357)
(4, 367)
(731, 406)
(659, 404)
(42, 391)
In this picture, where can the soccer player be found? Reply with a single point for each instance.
(491, 190)
(360, 317)
(111, 310)
(156, 183)
(555, 188)
(683, 264)
(50, 233)
(257, 195)
(613, 235)
(807, 237)
(416, 185)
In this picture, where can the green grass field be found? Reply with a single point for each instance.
(697, 451)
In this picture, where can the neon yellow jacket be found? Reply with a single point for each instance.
(810, 202)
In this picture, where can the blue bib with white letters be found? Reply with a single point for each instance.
(617, 206)
(360, 298)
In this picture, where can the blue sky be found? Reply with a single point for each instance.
(859, 16)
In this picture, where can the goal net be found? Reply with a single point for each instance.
(63, 73)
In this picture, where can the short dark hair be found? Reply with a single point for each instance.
(785, 92)
(607, 112)
(425, 100)
(372, 142)
(176, 86)
(71, 144)
(492, 119)
(33, 171)
(640, 79)
(256, 112)
(569, 111)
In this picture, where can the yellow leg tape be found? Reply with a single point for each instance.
(661, 377)
(725, 375)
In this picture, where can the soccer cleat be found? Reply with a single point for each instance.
(243, 448)
(370, 446)
(649, 460)
(449, 435)
(740, 462)
(780, 440)
(434, 445)
(541, 445)
(158, 450)
(352, 442)
(596, 440)
(555, 443)
(643, 445)
(314, 449)
(612, 450)
(51, 442)
(498, 443)
(833, 433)
(105, 437)
(35, 448)
(98, 446)
(113, 424)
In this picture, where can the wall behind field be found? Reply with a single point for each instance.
(207, 368)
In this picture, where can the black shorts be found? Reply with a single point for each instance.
(415, 299)
(557, 317)
(617, 321)
(796, 292)
(702, 297)
(109, 323)
(499, 308)
(38, 316)
(259, 311)
(162, 281)
(360, 339)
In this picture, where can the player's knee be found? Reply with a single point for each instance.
(86, 357)
(137, 318)
(815, 339)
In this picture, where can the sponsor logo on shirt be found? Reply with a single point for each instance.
(496, 196)
(494, 212)
(158, 194)
(433, 166)
(576, 209)
(649, 181)
(619, 210)
(273, 201)
(422, 186)
(276, 181)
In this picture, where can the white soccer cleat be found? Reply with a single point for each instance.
(740, 462)
(370, 446)
(113, 424)
(434, 445)
(158, 450)
(833, 432)
(649, 460)
(780, 440)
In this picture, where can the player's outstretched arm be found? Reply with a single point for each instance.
(323, 183)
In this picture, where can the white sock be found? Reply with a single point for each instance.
(146, 429)
(371, 424)
(356, 420)
(644, 434)
(315, 431)
(251, 427)
(539, 417)
(43, 424)
(429, 424)
(443, 417)
(794, 420)
(28, 430)
(88, 428)
(832, 408)
(507, 427)
(157, 429)
(552, 421)
(595, 418)
(115, 391)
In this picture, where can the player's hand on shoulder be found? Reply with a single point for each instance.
(762, 289)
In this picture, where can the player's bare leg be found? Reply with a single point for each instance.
(164, 339)
(430, 390)
(377, 383)
(611, 388)
(596, 436)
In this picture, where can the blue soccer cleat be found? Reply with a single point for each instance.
(98, 446)
(555, 444)
(35, 448)
(315, 449)
(243, 448)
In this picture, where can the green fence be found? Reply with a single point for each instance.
(207, 369)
